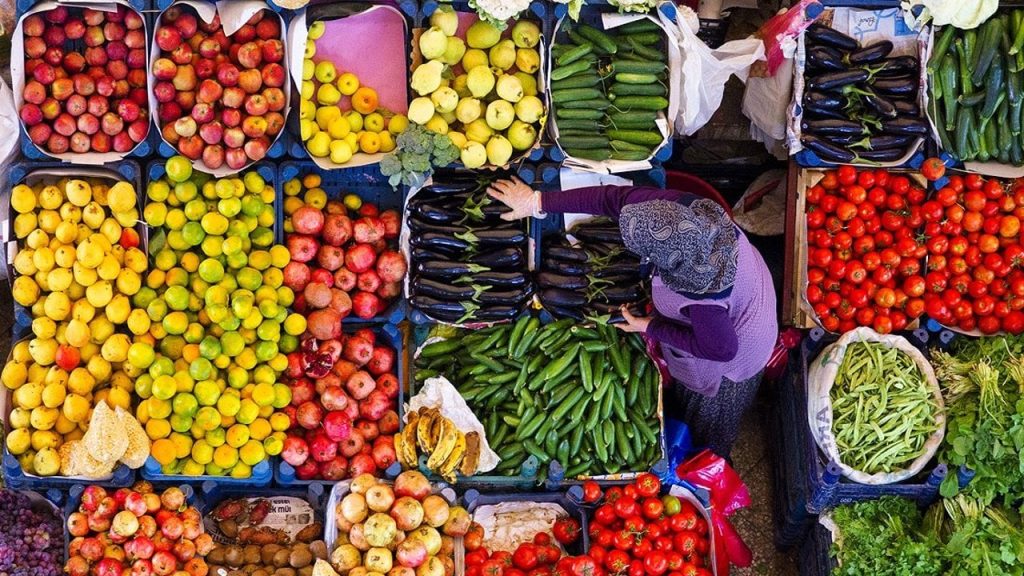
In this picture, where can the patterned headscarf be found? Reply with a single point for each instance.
(694, 247)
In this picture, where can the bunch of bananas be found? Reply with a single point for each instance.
(449, 449)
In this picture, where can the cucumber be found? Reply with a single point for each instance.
(578, 114)
(560, 96)
(632, 78)
(599, 38)
(636, 67)
(641, 103)
(576, 81)
(572, 133)
(647, 52)
(582, 142)
(632, 125)
(578, 124)
(596, 103)
(637, 89)
(639, 137)
(637, 26)
(635, 116)
(596, 154)
(574, 54)
(579, 40)
(623, 146)
(566, 71)
(645, 38)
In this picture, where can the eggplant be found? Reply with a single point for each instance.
(435, 213)
(495, 237)
(484, 294)
(879, 142)
(555, 280)
(502, 258)
(614, 269)
(825, 58)
(418, 226)
(833, 127)
(493, 210)
(498, 279)
(561, 297)
(565, 312)
(896, 66)
(821, 34)
(463, 311)
(815, 113)
(568, 268)
(898, 86)
(619, 295)
(438, 241)
(906, 107)
(635, 308)
(871, 53)
(598, 234)
(901, 126)
(882, 154)
(824, 100)
(836, 80)
(567, 253)
(826, 150)
(879, 104)
(447, 270)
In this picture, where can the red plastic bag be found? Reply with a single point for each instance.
(787, 25)
(728, 494)
(788, 339)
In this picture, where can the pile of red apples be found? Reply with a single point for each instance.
(221, 99)
(88, 99)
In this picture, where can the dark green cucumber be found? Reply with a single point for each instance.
(633, 116)
(578, 124)
(582, 142)
(634, 78)
(599, 38)
(596, 154)
(569, 94)
(641, 103)
(630, 155)
(632, 125)
(623, 146)
(596, 103)
(645, 38)
(635, 67)
(651, 139)
(637, 89)
(637, 26)
(566, 71)
(574, 54)
(576, 81)
(578, 114)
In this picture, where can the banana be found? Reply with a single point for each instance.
(448, 434)
(423, 427)
(435, 430)
(405, 445)
(471, 458)
(448, 467)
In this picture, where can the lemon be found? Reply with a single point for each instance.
(228, 404)
(214, 437)
(18, 441)
(53, 395)
(207, 418)
(158, 408)
(202, 452)
(225, 456)
(237, 435)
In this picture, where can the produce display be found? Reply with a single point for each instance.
(974, 254)
(31, 536)
(448, 449)
(864, 255)
(338, 116)
(975, 87)
(136, 530)
(209, 350)
(344, 257)
(85, 86)
(343, 411)
(541, 552)
(883, 411)
(586, 397)
(490, 107)
(79, 270)
(221, 99)
(467, 264)
(859, 103)
(608, 89)
(383, 526)
(592, 277)
(250, 543)
(886, 536)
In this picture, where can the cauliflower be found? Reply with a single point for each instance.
(633, 5)
(498, 12)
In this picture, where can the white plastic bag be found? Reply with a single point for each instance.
(765, 103)
(705, 71)
(822, 375)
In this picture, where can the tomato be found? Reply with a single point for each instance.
(515, 572)
(476, 557)
(543, 538)
(504, 557)
(935, 282)
(642, 547)
(1014, 254)
(647, 485)
(885, 297)
(866, 211)
(932, 211)
(1009, 226)
(613, 494)
(846, 175)
(881, 177)
(973, 182)
(654, 529)
(474, 538)
(675, 559)
(636, 568)
(686, 542)
(899, 184)
(988, 324)
(858, 298)
(933, 169)
(973, 221)
(974, 201)
(538, 571)
(882, 324)
(616, 561)
(947, 196)
(605, 514)
(865, 316)
(877, 196)
(914, 307)
(814, 194)
(984, 306)
(856, 273)
(605, 538)
(655, 563)
(846, 211)
(915, 196)
(983, 274)
(909, 267)
(891, 221)
(956, 182)
(598, 553)
(883, 239)
(863, 245)
(473, 571)
(624, 540)
(585, 566)
(988, 243)
(993, 189)
(837, 269)
(938, 245)
(882, 275)
(566, 530)
(936, 308)
(855, 193)
(630, 490)
(906, 247)
(493, 568)
(652, 508)
(626, 507)
(1013, 322)
(830, 323)
(635, 525)
(685, 520)
(525, 556)
(914, 286)
(914, 217)
(855, 228)
(591, 491)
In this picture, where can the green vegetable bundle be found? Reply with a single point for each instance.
(883, 410)
(976, 77)
(884, 538)
(979, 540)
(587, 397)
(982, 381)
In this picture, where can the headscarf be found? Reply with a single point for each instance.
(694, 248)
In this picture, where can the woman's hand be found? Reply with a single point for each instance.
(515, 194)
(633, 323)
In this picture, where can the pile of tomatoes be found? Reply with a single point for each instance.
(864, 257)
(538, 557)
(975, 279)
(636, 532)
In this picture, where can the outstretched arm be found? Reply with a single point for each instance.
(603, 200)
(716, 341)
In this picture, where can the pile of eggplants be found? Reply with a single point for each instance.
(593, 277)
(467, 264)
(860, 104)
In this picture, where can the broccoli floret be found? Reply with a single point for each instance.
(390, 164)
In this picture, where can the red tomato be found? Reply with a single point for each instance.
(543, 538)
(605, 538)
(585, 566)
(605, 514)
(613, 494)
(636, 568)
(686, 542)
(616, 561)
(474, 539)
(910, 267)
(846, 175)
(858, 298)
(899, 184)
(652, 508)
(655, 563)
(473, 571)
(891, 221)
(973, 182)
(866, 211)
(647, 485)
(567, 530)
(914, 307)
(914, 286)
(598, 553)
(932, 211)
(476, 557)
(898, 320)
(915, 196)
(635, 525)
(973, 221)
(626, 507)
(685, 520)
(882, 275)
(655, 528)
(1009, 226)
(504, 557)
(947, 196)
(846, 211)
(837, 269)
(988, 324)
(814, 194)
(642, 547)
(885, 297)
(493, 568)
(1014, 322)
(974, 201)
(624, 540)
(591, 491)
(863, 245)
(933, 169)
(675, 559)
(855, 228)
(856, 273)
(855, 193)
(984, 306)
(993, 189)
(630, 490)
(882, 324)
(525, 556)
(865, 316)
(877, 196)
(515, 572)
(830, 323)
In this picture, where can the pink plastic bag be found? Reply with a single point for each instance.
(789, 24)
(728, 494)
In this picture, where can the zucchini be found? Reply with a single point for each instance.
(574, 54)
(641, 103)
(638, 89)
(582, 142)
(596, 154)
(566, 95)
(599, 38)
(636, 137)
(988, 48)
(576, 81)
(566, 71)
(633, 78)
(635, 67)
(578, 114)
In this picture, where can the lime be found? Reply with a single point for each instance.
(265, 351)
(158, 408)
(263, 236)
(238, 228)
(216, 313)
(237, 377)
(273, 444)
(215, 437)
(225, 456)
(295, 324)
(155, 214)
(211, 270)
(266, 219)
(176, 240)
(229, 404)
(208, 418)
(252, 453)
(237, 260)
(251, 205)
(232, 245)
(260, 260)
(249, 278)
(195, 209)
(194, 333)
(185, 382)
(141, 355)
(269, 330)
(144, 386)
(273, 277)
(254, 182)
(175, 219)
(164, 387)
(237, 435)
(175, 322)
(206, 392)
(216, 294)
(247, 359)
(179, 168)
(285, 296)
(263, 394)
(232, 343)
(288, 343)
(181, 423)
(177, 297)
(229, 207)
(185, 404)
(157, 190)
(185, 191)
(224, 188)
(209, 347)
(248, 412)
(282, 396)
(200, 369)
(230, 323)
(178, 276)
(202, 452)
(165, 260)
(242, 302)
(171, 346)
(253, 320)
(264, 374)
(193, 233)
(143, 297)
(161, 366)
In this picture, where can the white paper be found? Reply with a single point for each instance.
(439, 393)
(509, 524)
(237, 13)
(287, 514)
(18, 86)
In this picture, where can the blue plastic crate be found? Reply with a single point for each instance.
(368, 183)
(570, 500)
(262, 474)
(162, 5)
(392, 335)
(408, 7)
(806, 485)
(15, 478)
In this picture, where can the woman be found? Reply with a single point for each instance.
(714, 301)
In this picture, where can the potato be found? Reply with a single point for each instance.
(267, 553)
(300, 556)
(229, 528)
(281, 557)
(233, 556)
(285, 571)
(319, 549)
(310, 533)
(216, 556)
(252, 554)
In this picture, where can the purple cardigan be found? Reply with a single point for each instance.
(718, 340)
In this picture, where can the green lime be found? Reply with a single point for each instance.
(195, 209)
(288, 343)
(262, 237)
(264, 374)
(206, 392)
(208, 418)
(202, 452)
(185, 191)
(209, 347)
(217, 313)
(157, 190)
(193, 233)
(141, 355)
(144, 386)
(185, 404)
(251, 222)
(161, 366)
(165, 260)
(175, 219)
(143, 297)
(285, 296)
(171, 468)
(230, 323)
(176, 240)
(199, 286)
(156, 310)
(165, 387)
(179, 168)
(242, 302)
(273, 277)
(177, 297)
(269, 308)
(212, 246)
(216, 294)
(194, 333)
(232, 245)
(237, 260)
(215, 223)
(252, 205)
(238, 228)
(254, 182)
(265, 351)
(211, 270)
(249, 278)
(269, 330)
(232, 343)
(175, 322)
(224, 188)
(248, 412)
(260, 260)
(180, 423)
(200, 368)
(229, 207)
